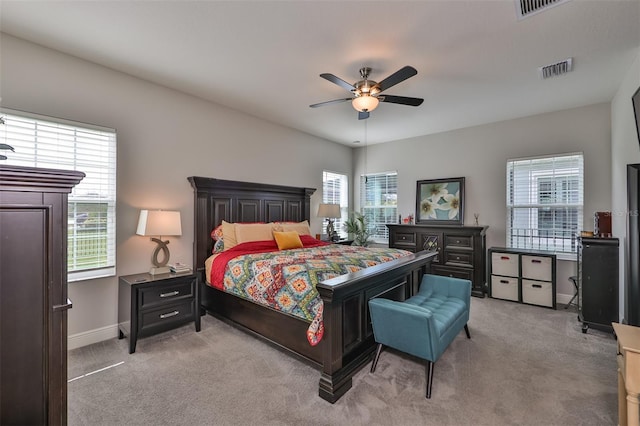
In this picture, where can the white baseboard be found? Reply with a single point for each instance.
(563, 299)
(92, 336)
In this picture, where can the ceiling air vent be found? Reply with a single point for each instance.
(556, 69)
(526, 8)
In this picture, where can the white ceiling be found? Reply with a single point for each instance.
(477, 63)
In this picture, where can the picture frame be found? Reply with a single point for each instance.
(635, 100)
(440, 201)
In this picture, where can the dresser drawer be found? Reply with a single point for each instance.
(458, 258)
(166, 293)
(537, 293)
(505, 264)
(451, 241)
(405, 238)
(504, 288)
(536, 268)
(166, 317)
(463, 273)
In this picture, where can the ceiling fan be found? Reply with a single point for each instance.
(367, 93)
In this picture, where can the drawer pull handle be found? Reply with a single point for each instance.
(171, 293)
(504, 282)
(457, 241)
(504, 257)
(536, 285)
(169, 315)
(457, 257)
(536, 261)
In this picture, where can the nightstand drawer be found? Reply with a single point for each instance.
(163, 293)
(166, 316)
(465, 241)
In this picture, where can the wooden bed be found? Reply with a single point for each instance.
(348, 343)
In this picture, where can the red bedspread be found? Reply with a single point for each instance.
(220, 263)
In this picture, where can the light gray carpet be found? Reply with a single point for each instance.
(524, 365)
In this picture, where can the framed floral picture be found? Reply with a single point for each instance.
(440, 201)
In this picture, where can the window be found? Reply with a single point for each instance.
(48, 142)
(379, 202)
(335, 190)
(545, 202)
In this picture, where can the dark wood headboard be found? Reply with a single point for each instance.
(232, 201)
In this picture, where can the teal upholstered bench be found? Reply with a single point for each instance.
(425, 324)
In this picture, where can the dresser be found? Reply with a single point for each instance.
(598, 282)
(461, 249)
(524, 276)
(33, 294)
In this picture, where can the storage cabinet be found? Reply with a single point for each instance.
(33, 294)
(597, 282)
(524, 276)
(632, 282)
(461, 249)
(150, 304)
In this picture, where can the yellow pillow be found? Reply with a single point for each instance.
(229, 235)
(247, 232)
(287, 240)
(301, 228)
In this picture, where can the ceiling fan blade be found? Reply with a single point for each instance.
(337, 80)
(404, 100)
(363, 115)
(335, 101)
(397, 77)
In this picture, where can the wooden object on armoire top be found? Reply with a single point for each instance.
(33, 294)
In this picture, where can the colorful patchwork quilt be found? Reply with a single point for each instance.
(286, 280)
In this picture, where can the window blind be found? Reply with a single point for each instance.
(379, 202)
(545, 198)
(335, 190)
(47, 142)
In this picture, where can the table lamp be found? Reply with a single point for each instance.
(330, 212)
(159, 223)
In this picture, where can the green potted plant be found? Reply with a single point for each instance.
(357, 226)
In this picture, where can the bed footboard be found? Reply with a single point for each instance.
(348, 341)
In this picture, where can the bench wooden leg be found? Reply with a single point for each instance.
(466, 330)
(375, 359)
(429, 378)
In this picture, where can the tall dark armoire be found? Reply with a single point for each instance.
(598, 282)
(33, 294)
(632, 282)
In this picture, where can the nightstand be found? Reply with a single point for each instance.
(150, 304)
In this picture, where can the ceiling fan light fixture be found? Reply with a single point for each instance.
(365, 103)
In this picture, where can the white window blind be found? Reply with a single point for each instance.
(545, 202)
(47, 142)
(379, 202)
(335, 190)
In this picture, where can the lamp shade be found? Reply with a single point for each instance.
(365, 103)
(329, 210)
(159, 222)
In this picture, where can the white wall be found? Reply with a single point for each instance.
(625, 149)
(480, 154)
(163, 137)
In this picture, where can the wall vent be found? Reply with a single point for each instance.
(556, 69)
(526, 8)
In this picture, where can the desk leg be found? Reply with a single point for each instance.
(622, 401)
(633, 410)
